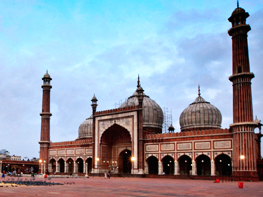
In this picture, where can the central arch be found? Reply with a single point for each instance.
(115, 141)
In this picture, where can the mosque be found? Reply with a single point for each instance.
(129, 139)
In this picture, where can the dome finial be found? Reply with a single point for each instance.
(237, 4)
(138, 82)
(199, 94)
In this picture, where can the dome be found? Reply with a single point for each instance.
(200, 115)
(46, 75)
(152, 112)
(85, 128)
(238, 10)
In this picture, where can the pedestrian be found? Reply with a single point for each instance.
(3, 175)
(109, 174)
(105, 175)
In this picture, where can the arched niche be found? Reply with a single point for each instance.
(185, 165)
(203, 165)
(152, 162)
(223, 165)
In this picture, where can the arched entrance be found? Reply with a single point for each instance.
(168, 165)
(89, 161)
(152, 165)
(52, 164)
(185, 165)
(203, 165)
(80, 165)
(223, 165)
(61, 165)
(70, 165)
(124, 162)
(113, 141)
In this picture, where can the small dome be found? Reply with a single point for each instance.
(46, 75)
(152, 112)
(200, 115)
(171, 128)
(238, 10)
(85, 128)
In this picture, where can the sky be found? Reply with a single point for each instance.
(100, 46)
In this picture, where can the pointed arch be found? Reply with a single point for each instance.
(152, 162)
(120, 134)
(168, 164)
(185, 165)
(223, 165)
(203, 164)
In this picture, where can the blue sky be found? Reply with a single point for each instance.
(101, 46)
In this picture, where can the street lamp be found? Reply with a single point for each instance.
(44, 166)
(242, 157)
(40, 161)
(132, 159)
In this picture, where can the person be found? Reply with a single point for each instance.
(109, 174)
(3, 175)
(33, 174)
(105, 175)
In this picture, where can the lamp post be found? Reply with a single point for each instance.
(87, 176)
(44, 167)
(242, 157)
(40, 161)
(98, 159)
(133, 159)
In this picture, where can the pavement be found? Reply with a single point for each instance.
(115, 186)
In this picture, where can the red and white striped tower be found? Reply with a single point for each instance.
(45, 123)
(244, 153)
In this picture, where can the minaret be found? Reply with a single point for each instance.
(244, 158)
(45, 123)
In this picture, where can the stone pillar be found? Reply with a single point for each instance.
(86, 169)
(66, 167)
(75, 166)
(146, 170)
(213, 169)
(176, 168)
(194, 167)
(50, 167)
(160, 167)
(42, 168)
(57, 167)
(1, 167)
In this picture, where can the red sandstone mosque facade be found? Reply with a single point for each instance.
(129, 139)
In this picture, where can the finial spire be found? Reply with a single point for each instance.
(138, 82)
(199, 90)
(237, 4)
(47, 71)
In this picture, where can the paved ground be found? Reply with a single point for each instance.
(99, 186)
